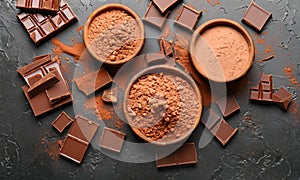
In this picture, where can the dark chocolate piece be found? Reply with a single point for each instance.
(61, 89)
(110, 96)
(165, 5)
(41, 27)
(40, 6)
(61, 122)
(154, 17)
(93, 81)
(156, 58)
(40, 103)
(74, 148)
(256, 16)
(43, 84)
(83, 128)
(37, 62)
(210, 119)
(223, 132)
(166, 47)
(228, 105)
(186, 154)
(188, 17)
(263, 92)
(283, 98)
(112, 139)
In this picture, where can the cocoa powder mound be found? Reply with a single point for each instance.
(162, 107)
(114, 35)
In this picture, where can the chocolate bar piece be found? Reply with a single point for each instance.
(43, 84)
(110, 96)
(283, 98)
(188, 17)
(41, 27)
(154, 17)
(61, 122)
(37, 62)
(83, 128)
(186, 154)
(93, 81)
(166, 47)
(156, 58)
(40, 103)
(223, 132)
(74, 148)
(40, 6)
(61, 89)
(34, 76)
(228, 105)
(165, 5)
(256, 16)
(210, 119)
(263, 92)
(112, 139)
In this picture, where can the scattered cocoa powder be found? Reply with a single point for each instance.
(80, 28)
(102, 110)
(75, 50)
(162, 107)
(290, 74)
(213, 2)
(114, 35)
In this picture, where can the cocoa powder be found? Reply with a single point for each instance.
(162, 107)
(114, 35)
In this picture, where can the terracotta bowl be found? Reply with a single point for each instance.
(196, 59)
(170, 71)
(103, 9)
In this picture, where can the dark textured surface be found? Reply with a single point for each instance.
(266, 146)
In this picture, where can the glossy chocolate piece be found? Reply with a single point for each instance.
(223, 132)
(154, 17)
(188, 17)
(156, 58)
(228, 105)
(112, 139)
(210, 119)
(263, 92)
(165, 5)
(83, 128)
(61, 122)
(38, 61)
(41, 27)
(93, 81)
(74, 148)
(34, 76)
(111, 95)
(256, 16)
(166, 47)
(40, 103)
(42, 84)
(186, 154)
(283, 98)
(39, 6)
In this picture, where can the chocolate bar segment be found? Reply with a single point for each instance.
(165, 5)
(112, 139)
(228, 105)
(263, 92)
(39, 6)
(110, 96)
(93, 81)
(43, 84)
(62, 121)
(38, 61)
(34, 76)
(154, 17)
(256, 16)
(41, 27)
(210, 119)
(188, 17)
(156, 58)
(283, 98)
(166, 47)
(223, 132)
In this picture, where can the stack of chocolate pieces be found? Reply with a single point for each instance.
(46, 87)
(44, 18)
(264, 92)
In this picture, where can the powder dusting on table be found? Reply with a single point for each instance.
(74, 50)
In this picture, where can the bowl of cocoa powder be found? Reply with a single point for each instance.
(222, 50)
(162, 105)
(114, 34)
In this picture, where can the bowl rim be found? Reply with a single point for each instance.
(173, 71)
(222, 22)
(108, 7)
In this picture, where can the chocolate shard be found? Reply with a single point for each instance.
(93, 81)
(186, 154)
(37, 62)
(283, 98)
(154, 17)
(43, 84)
(165, 5)
(228, 105)
(110, 96)
(256, 16)
(166, 47)
(210, 119)
(223, 132)
(112, 139)
(156, 58)
(40, 6)
(188, 17)
(62, 121)
(263, 92)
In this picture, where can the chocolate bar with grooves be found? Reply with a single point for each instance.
(38, 6)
